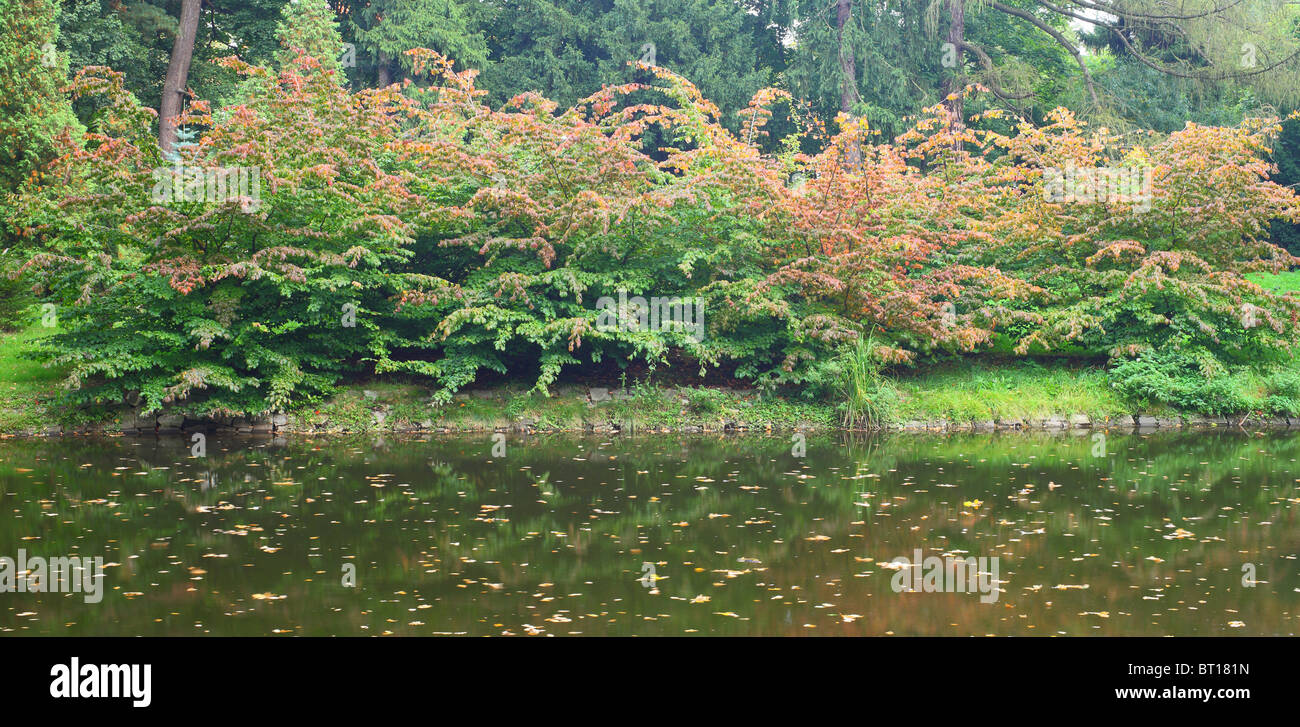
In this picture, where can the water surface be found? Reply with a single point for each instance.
(1131, 535)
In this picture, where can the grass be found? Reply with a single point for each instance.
(870, 400)
(716, 409)
(1279, 283)
(400, 406)
(26, 387)
(981, 391)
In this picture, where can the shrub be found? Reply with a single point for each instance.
(1191, 379)
(459, 239)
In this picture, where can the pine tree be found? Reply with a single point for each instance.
(389, 28)
(309, 25)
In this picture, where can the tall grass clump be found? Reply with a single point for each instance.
(870, 399)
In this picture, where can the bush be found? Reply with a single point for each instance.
(704, 402)
(419, 232)
(15, 302)
(1284, 391)
(1188, 379)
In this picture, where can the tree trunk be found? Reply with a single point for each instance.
(953, 85)
(385, 77)
(178, 72)
(848, 66)
(848, 74)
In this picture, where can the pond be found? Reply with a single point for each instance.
(1182, 533)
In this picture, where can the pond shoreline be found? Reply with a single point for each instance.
(969, 398)
(620, 413)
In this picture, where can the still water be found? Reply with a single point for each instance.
(1185, 533)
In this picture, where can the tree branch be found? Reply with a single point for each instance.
(1144, 60)
(1061, 39)
(987, 62)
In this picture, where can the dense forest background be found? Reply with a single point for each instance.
(883, 60)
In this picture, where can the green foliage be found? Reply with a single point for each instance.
(386, 29)
(1283, 391)
(897, 61)
(1286, 154)
(309, 26)
(1191, 379)
(1146, 98)
(425, 233)
(226, 305)
(15, 297)
(34, 110)
(704, 402)
(567, 49)
(134, 39)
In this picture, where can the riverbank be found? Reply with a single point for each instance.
(973, 395)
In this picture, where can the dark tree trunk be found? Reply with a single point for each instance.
(178, 72)
(848, 66)
(848, 72)
(385, 76)
(953, 85)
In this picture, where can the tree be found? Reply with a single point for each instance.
(848, 66)
(1248, 41)
(888, 37)
(137, 39)
(309, 26)
(908, 47)
(386, 29)
(34, 114)
(178, 72)
(34, 108)
(567, 49)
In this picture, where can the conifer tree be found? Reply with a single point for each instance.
(309, 25)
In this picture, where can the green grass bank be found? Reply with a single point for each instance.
(981, 392)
